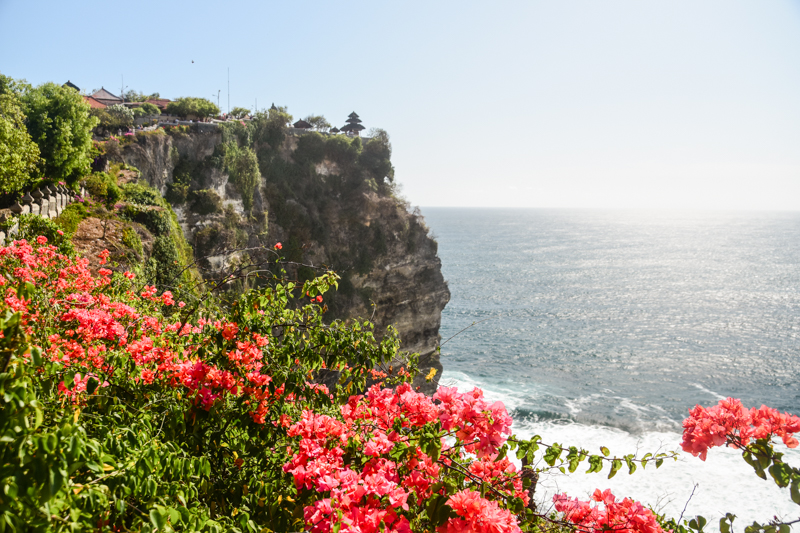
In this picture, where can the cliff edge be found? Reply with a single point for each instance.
(330, 200)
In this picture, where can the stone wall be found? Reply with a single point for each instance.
(47, 202)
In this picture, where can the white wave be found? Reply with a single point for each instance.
(723, 483)
(711, 393)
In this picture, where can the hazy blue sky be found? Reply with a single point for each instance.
(539, 104)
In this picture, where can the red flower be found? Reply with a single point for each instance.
(278, 246)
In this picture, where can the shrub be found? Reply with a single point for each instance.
(140, 416)
(71, 217)
(189, 107)
(103, 185)
(310, 149)
(131, 239)
(209, 240)
(142, 194)
(146, 110)
(242, 167)
(239, 112)
(164, 267)
(155, 219)
(177, 193)
(119, 116)
(205, 202)
(33, 226)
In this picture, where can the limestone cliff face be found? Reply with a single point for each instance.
(326, 211)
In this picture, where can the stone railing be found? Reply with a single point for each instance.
(47, 202)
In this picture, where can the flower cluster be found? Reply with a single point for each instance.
(627, 516)
(92, 325)
(729, 422)
(477, 515)
(355, 462)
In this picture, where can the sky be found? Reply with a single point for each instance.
(558, 104)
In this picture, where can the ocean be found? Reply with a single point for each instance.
(603, 328)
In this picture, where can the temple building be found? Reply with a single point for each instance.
(353, 125)
(106, 98)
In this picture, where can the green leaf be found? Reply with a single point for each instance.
(781, 473)
(616, 464)
(604, 451)
(595, 464)
(795, 490)
(631, 464)
(158, 517)
(91, 385)
(36, 356)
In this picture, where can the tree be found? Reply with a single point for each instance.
(120, 115)
(10, 85)
(19, 155)
(270, 126)
(377, 155)
(242, 167)
(239, 112)
(134, 96)
(146, 110)
(194, 108)
(319, 122)
(59, 121)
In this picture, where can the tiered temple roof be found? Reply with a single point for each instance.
(353, 124)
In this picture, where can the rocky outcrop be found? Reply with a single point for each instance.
(324, 214)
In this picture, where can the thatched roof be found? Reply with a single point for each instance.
(72, 86)
(352, 115)
(334, 130)
(302, 124)
(352, 127)
(273, 107)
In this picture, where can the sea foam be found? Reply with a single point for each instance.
(686, 486)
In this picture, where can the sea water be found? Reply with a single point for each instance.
(603, 328)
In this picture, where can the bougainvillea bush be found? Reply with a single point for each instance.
(123, 409)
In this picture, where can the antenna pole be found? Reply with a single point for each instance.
(229, 90)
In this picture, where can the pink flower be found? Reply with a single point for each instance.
(166, 298)
(730, 423)
(476, 514)
(278, 246)
(60, 232)
(41, 239)
(103, 256)
(181, 304)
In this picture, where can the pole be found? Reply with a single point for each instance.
(122, 88)
(229, 90)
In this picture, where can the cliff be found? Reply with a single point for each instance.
(329, 200)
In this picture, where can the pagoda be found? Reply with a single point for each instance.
(353, 124)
